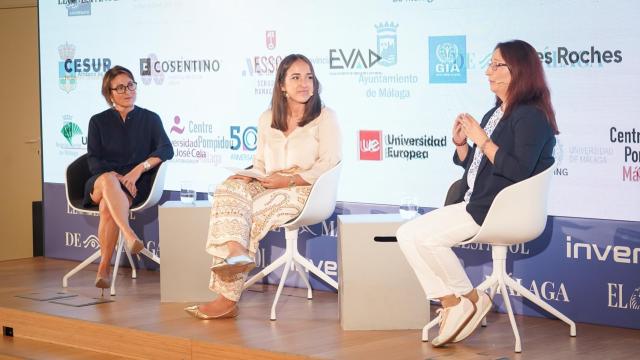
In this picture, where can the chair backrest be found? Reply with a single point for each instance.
(156, 189)
(77, 174)
(321, 201)
(518, 213)
(454, 193)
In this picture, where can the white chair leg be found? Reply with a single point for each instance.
(116, 265)
(541, 303)
(309, 266)
(432, 323)
(82, 265)
(150, 255)
(493, 289)
(305, 278)
(488, 282)
(285, 271)
(492, 293)
(134, 274)
(512, 319)
(266, 271)
(491, 283)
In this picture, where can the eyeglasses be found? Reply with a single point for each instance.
(120, 89)
(495, 66)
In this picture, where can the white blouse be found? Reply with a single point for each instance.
(307, 151)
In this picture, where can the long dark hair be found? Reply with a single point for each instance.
(528, 85)
(312, 108)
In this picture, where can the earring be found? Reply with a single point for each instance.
(285, 94)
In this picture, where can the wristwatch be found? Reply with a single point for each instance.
(146, 165)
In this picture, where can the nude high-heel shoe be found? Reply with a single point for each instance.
(102, 283)
(195, 312)
(135, 248)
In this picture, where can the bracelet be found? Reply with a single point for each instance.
(464, 142)
(292, 182)
(484, 144)
(146, 165)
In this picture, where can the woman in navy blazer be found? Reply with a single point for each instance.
(513, 142)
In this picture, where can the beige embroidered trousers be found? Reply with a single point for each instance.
(245, 212)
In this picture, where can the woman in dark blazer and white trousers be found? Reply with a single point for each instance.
(513, 142)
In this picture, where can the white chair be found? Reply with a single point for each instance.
(76, 175)
(518, 214)
(319, 206)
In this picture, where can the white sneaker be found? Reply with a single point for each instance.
(452, 320)
(482, 308)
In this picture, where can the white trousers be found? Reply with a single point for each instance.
(426, 242)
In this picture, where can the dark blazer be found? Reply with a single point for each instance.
(525, 147)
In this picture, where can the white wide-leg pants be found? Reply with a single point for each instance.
(426, 242)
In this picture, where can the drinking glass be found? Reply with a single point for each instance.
(408, 207)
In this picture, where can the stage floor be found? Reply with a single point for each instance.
(136, 324)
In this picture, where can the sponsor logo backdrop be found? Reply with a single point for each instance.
(397, 73)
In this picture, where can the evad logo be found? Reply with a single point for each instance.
(387, 40)
(386, 53)
(370, 145)
(447, 59)
(617, 298)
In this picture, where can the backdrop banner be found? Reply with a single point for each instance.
(587, 269)
(396, 72)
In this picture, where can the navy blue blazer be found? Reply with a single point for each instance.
(525, 140)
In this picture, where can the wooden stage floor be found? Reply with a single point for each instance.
(137, 325)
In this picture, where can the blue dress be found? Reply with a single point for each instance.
(116, 145)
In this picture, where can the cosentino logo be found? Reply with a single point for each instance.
(152, 68)
(373, 145)
(631, 141)
(585, 251)
(564, 56)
